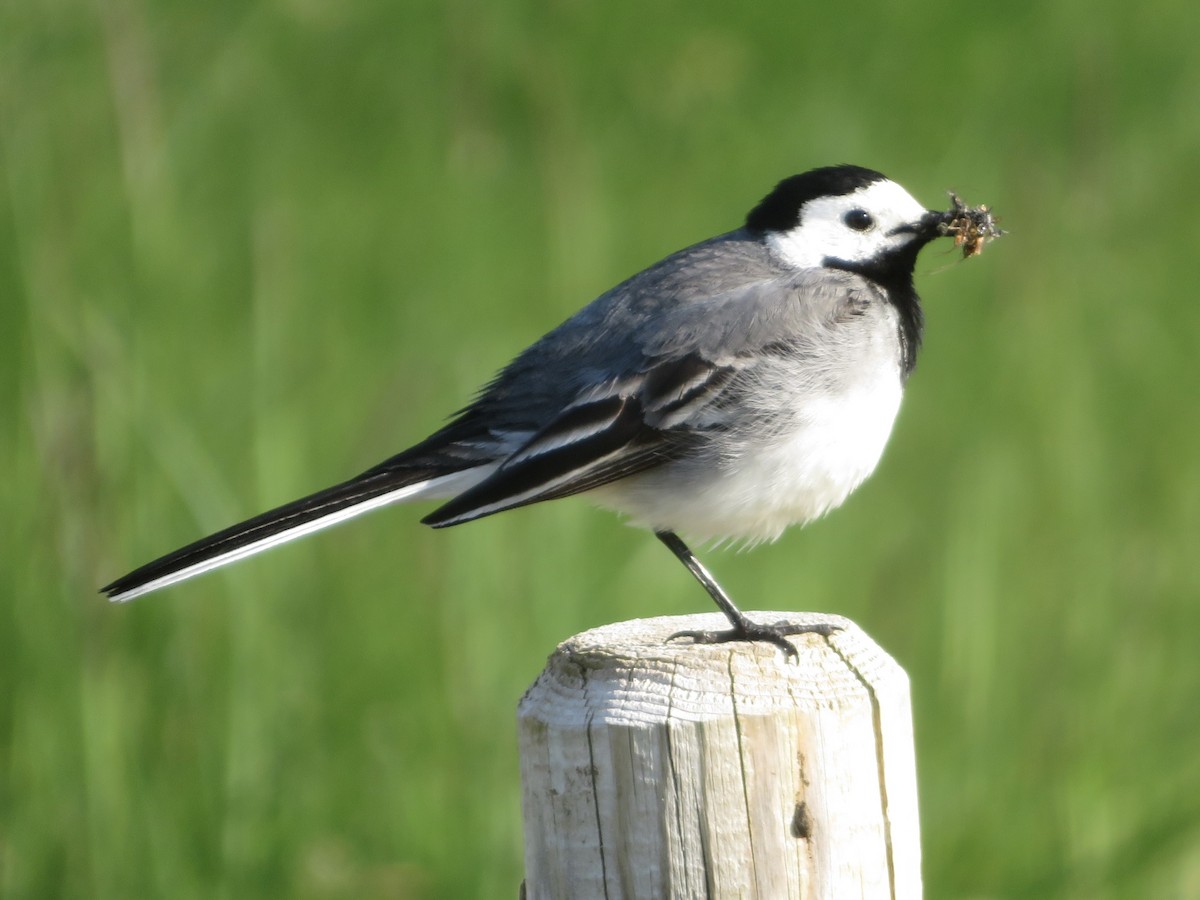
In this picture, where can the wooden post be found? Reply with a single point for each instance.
(654, 768)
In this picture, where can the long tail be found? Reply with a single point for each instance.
(288, 522)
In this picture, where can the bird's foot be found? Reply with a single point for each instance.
(776, 633)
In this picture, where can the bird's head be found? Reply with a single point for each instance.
(845, 217)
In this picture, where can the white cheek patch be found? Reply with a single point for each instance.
(823, 233)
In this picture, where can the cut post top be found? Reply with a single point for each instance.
(636, 673)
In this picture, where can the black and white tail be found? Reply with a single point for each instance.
(290, 521)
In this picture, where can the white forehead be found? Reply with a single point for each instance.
(885, 200)
(823, 233)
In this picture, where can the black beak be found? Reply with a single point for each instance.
(933, 222)
(928, 227)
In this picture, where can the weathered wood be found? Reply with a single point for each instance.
(654, 768)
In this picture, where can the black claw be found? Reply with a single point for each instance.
(751, 631)
(825, 629)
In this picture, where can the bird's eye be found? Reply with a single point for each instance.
(859, 220)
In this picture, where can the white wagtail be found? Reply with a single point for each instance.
(734, 388)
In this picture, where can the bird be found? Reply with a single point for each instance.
(736, 387)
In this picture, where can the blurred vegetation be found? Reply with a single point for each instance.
(247, 250)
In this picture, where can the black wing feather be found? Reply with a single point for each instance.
(596, 441)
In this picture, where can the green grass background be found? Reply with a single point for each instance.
(247, 250)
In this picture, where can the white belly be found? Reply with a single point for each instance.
(767, 481)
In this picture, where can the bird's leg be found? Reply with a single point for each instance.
(744, 629)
